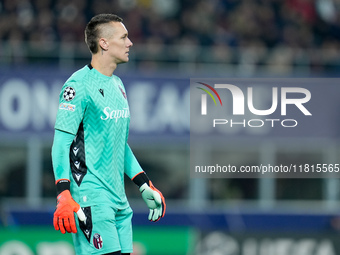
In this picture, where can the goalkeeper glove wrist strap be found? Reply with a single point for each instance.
(61, 185)
(140, 179)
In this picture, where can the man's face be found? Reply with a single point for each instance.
(119, 43)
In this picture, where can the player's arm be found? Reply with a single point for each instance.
(60, 158)
(152, 196)
(63, 219)
(72, 104)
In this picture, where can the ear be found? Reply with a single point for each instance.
(103, 44)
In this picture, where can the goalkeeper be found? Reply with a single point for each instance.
(90, 153)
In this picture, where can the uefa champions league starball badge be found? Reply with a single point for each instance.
(69, 93)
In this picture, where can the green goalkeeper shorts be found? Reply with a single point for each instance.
(105, 230)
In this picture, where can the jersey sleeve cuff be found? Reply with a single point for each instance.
(62, 185)
(140, 178)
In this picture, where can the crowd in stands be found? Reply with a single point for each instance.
(260, 31)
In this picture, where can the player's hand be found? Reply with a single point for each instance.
(154, 200)
(63, 219)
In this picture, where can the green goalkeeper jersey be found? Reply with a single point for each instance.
(94, 108)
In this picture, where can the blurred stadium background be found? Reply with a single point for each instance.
(41, 44)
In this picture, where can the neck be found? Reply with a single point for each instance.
(103, 64)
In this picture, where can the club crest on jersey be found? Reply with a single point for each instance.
(69, 93)
(122, 90)
(97, 241)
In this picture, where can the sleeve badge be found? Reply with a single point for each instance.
(69, 93)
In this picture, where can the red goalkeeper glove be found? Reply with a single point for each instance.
(152, 197)
(63, 219)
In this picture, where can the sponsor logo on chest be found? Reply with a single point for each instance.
(114, 114)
